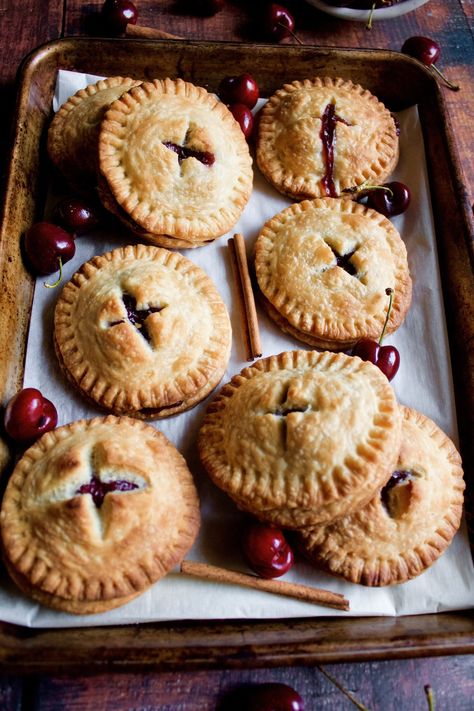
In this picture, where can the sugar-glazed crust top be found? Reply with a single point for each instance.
(141, 328)
(182, 196)
(302, 436)
(290, 149)
(403, 530)
(300, 265)
(67, 545)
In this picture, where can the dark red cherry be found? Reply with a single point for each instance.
(75, 215)
(427, 51)
(424, 49)
(45, 245)
(271, 696)
(278, 22)
(387, 358)
(241, 89)
(28, 415)
(244, 118)
(392, 201)
(266, 550)
(117, 14)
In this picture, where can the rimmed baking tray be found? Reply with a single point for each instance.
(399, 82)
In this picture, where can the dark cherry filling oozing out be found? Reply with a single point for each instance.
(397, 478)
(329, 119)
(183, 152)
(98, 489)
(137, 317)
(344, 261)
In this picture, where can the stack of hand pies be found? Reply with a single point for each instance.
(316, 443)
(169, 159)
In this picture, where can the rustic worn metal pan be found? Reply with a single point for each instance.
(398, 81)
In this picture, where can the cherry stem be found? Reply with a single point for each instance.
(430, 697)
(364, 188)
(389, 293)
(369, 21)
(453, 87)
(280, 24)
(58, 280)
(344, 691)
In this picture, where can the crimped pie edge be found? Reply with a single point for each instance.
(298, 511)
(330, 331)
(87, 376)
(55, 138)
(113, 130)
(295, 185)
(409, 563)
(49, 583)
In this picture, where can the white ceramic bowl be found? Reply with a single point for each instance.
(382, 13)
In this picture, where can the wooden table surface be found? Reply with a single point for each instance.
(378, 685)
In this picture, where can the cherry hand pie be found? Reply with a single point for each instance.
(319, 137)
(323, 267)
(142, 331)
(302, 437)
(96, 512)
(174, 163)
(74, 131)
(408, 524)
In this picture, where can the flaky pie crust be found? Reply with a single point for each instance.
(108, 357)
(74, 131)
(313, 298)
(184, 199)
(378, 546)
(67, 552)
(290, 149)
(302, 436)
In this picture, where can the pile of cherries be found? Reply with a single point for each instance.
(240, 93)
(49, 245)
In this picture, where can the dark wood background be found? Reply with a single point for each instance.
(378, 685)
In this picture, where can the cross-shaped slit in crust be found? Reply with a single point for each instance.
(344, 261)
(184, 151)
(98, 488)
(137, 317)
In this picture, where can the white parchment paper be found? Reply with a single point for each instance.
(423, 382)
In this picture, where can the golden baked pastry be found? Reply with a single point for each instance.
(302, 437)
(323, 267)
(96, 512)
(408, 524)
(74, 131)
(175, 161)
(142, 331)
(321, 136)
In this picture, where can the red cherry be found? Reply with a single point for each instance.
(28, 415)
(244, 118)
(392, 201)
(387, 358)
(278, 22)
(271, 696)
(241, 89)
(117, 14)
(427, 51)
(424, 49)
(266, 550)
(45, 245)
(75, 215)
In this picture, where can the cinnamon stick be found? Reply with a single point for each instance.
(301, 592)
(245, 296)
(148, 32)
